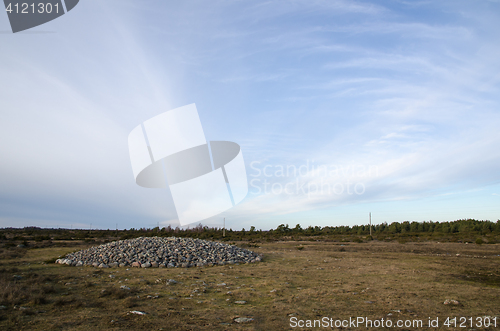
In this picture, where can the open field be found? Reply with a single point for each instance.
(306, 280)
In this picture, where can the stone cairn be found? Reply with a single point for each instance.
(160, 252)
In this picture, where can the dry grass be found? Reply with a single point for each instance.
(374, 279)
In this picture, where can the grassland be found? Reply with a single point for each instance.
(302, 279)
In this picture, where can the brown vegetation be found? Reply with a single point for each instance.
(307, 280)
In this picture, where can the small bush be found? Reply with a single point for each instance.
(39, 299)
(479, 241)
(63, 302)
(28, 312)
(52, 260)
(47, 289)
(113, 291)
(7, 254)
(130, 302)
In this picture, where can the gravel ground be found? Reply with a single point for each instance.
(160, 252)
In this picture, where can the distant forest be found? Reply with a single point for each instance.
(464, 230)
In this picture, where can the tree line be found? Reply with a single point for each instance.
(282, 232)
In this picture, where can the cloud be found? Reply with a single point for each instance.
(66, 122)
(340, 83)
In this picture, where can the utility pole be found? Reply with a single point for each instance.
(370, 224)
(224, 228)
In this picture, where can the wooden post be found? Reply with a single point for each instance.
(370, 224)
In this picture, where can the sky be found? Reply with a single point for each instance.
(341, 108)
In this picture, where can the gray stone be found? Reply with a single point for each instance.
(451, 302)
(161, 252)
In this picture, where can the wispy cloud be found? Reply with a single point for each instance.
(336, 83)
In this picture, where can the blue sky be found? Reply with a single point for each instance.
(391, 107)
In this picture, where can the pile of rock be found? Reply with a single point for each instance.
(160, 252)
